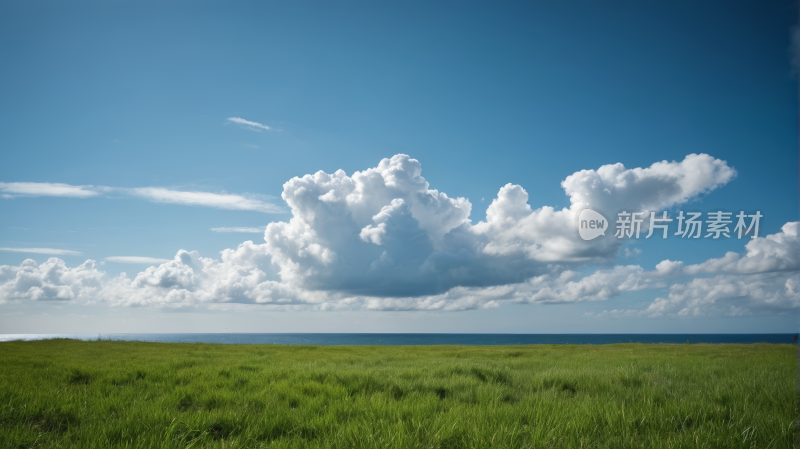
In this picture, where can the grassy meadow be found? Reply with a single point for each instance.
(66, 393)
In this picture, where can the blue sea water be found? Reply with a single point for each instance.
(420, 339)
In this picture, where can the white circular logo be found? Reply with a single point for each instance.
(591, 224)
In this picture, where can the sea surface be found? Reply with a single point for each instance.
(420, 339)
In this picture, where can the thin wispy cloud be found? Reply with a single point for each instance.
(51, 251)
(241, 229)
(163, 195)
(136, 259)
(14, 189)
(228, 201)
(255, 126)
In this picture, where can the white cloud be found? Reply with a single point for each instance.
(776, 252)
(13, 189)
(384, 232)
(207, 199)
(136, 259)
(632, 252)
(730, 295)
(662, 185)
(601, 285)
(764, 280)
(50, 281)
(255, 126)
(547, 235)
(155, 194)
(51, 251)
(189, 280)
(241, 229)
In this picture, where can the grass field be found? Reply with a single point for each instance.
(65, 393)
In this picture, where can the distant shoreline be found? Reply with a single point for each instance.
(414, 339)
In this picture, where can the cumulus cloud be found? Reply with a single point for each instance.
(662, 185)
(601, 285)
(383, 239)
(242, 229)
(50, 281)
(51, 251)
(776, 293)
(764, 280)
(189, 280)
(136, 259)
(729, 295)
(384, 232)
(14, 189)
(547, 235)
(776, 252)
(255, 126)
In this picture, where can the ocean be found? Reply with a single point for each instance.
(420, 339)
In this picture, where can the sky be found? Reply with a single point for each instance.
(396, 167)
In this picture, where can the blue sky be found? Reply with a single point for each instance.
(131, 95)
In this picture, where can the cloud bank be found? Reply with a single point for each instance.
(764, 280)
(383, 239)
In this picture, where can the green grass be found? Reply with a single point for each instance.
(65, 393)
